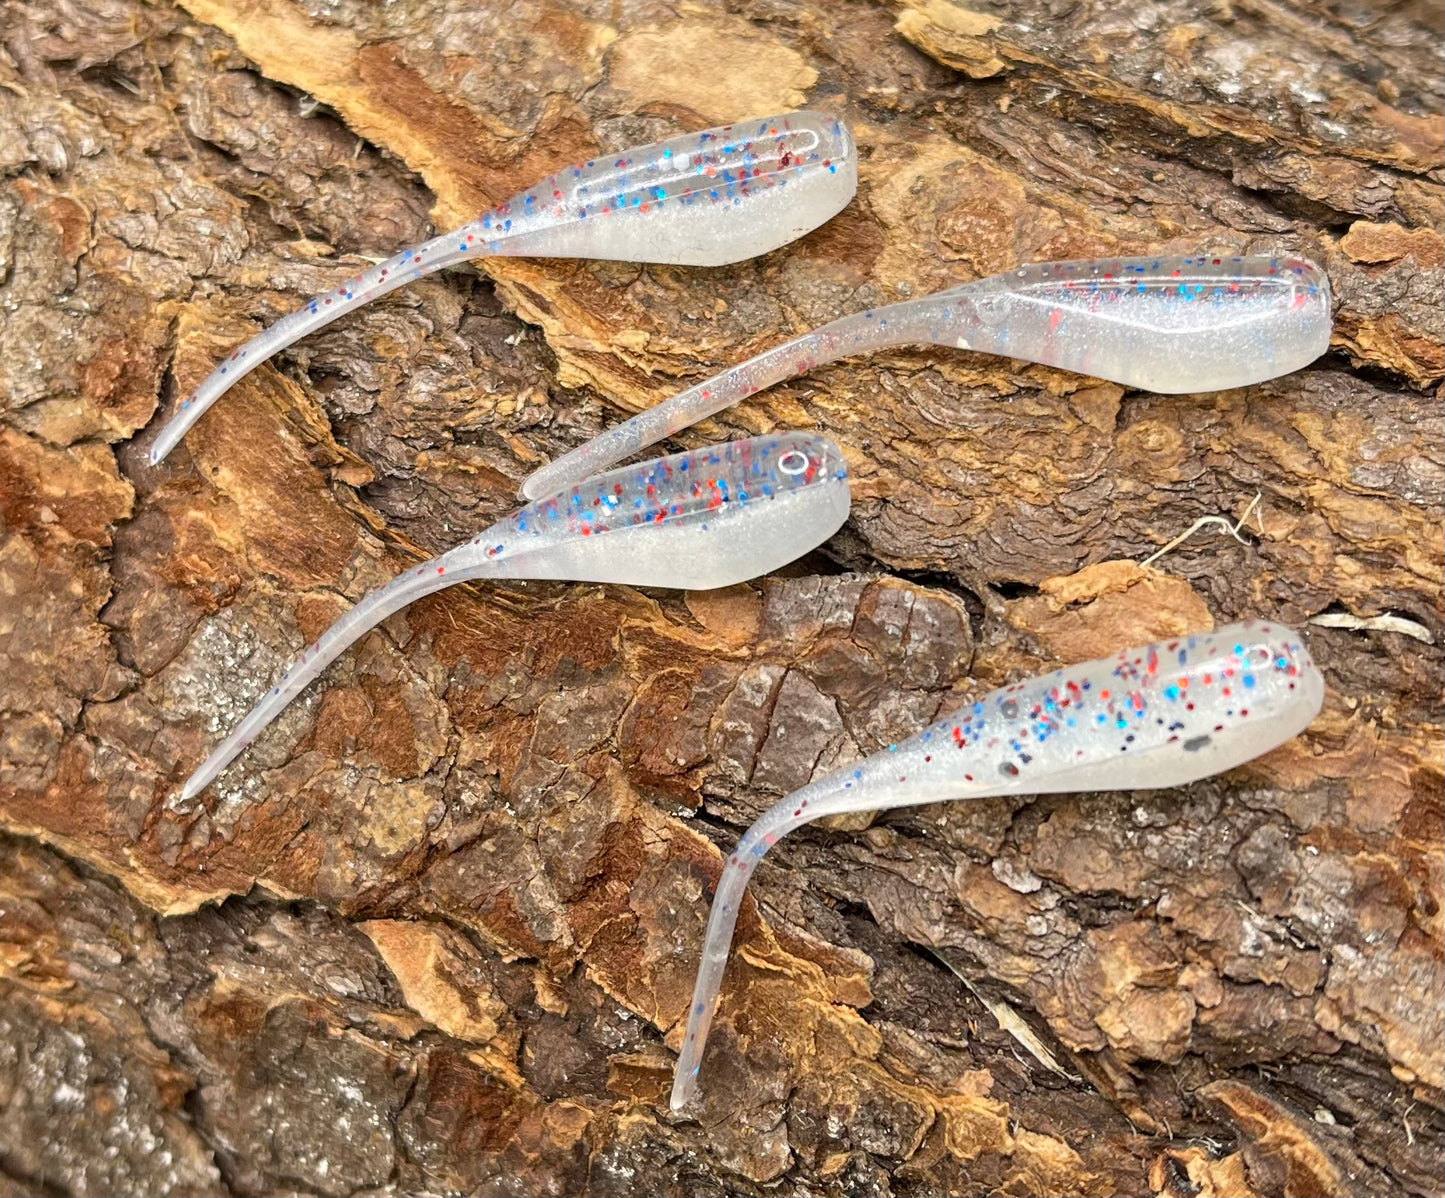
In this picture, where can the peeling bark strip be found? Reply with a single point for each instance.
(441, 935)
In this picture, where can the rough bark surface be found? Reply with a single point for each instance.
(436, 931)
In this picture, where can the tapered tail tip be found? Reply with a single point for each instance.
(166, 442)
(542, 482)
(683, 1088)
(194, 785)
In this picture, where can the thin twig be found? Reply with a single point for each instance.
(1204, 522)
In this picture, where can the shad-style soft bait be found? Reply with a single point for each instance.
(709, 518)
(1164, 715)
(1171, 325)
(703, 199)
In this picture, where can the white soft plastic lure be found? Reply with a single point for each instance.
(709, 518)
(1171, 325)
(703, 199)
(1164, 715)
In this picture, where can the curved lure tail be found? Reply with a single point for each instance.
(703, 199)
(398, 270)
(367, 614)
(1160, 324)
(1164, 715)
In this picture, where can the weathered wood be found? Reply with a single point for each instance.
(437, 931)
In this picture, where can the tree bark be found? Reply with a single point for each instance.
(437, 930)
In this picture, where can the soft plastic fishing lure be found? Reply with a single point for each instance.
(1164, 715)
(1171, 325)
(703, 199)
(709, 518)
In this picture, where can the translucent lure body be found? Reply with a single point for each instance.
(708, 518)
(703, 199)
(1164, 715)
(1171, 325)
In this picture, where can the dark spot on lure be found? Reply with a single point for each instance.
(1008, 769)
(1010, 708)
(1195, 743)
